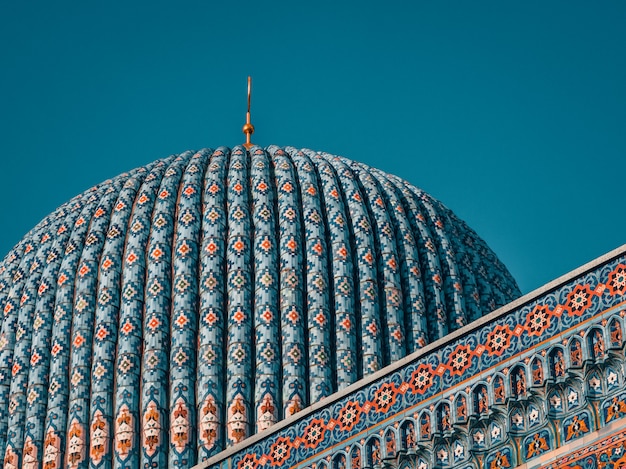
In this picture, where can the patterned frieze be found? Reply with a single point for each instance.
(511, 391)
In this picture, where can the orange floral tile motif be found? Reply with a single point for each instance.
(249, 461)
(538, 320)
(314, 433)
(421, 379)
(280, 451)
(349, 415)
(385, 397)
(578, 300)
(460, 360)
(616, 283)
(498, 340)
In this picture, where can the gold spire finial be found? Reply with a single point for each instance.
(248, 128)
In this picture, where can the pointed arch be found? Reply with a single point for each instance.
(480, 400)
(575, 348)
(558, 366)
(615, 333)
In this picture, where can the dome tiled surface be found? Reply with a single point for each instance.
(177, 309)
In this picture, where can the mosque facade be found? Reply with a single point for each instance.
(537, 384)
(254, 308)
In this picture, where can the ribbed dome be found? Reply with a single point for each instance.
(177, 309)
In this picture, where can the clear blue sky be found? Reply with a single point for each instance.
(511, 113)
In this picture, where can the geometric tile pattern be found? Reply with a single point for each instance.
(540, 377)
(177, 309)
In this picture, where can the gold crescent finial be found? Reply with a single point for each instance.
(248, 128)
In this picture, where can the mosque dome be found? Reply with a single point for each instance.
(175, 310)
